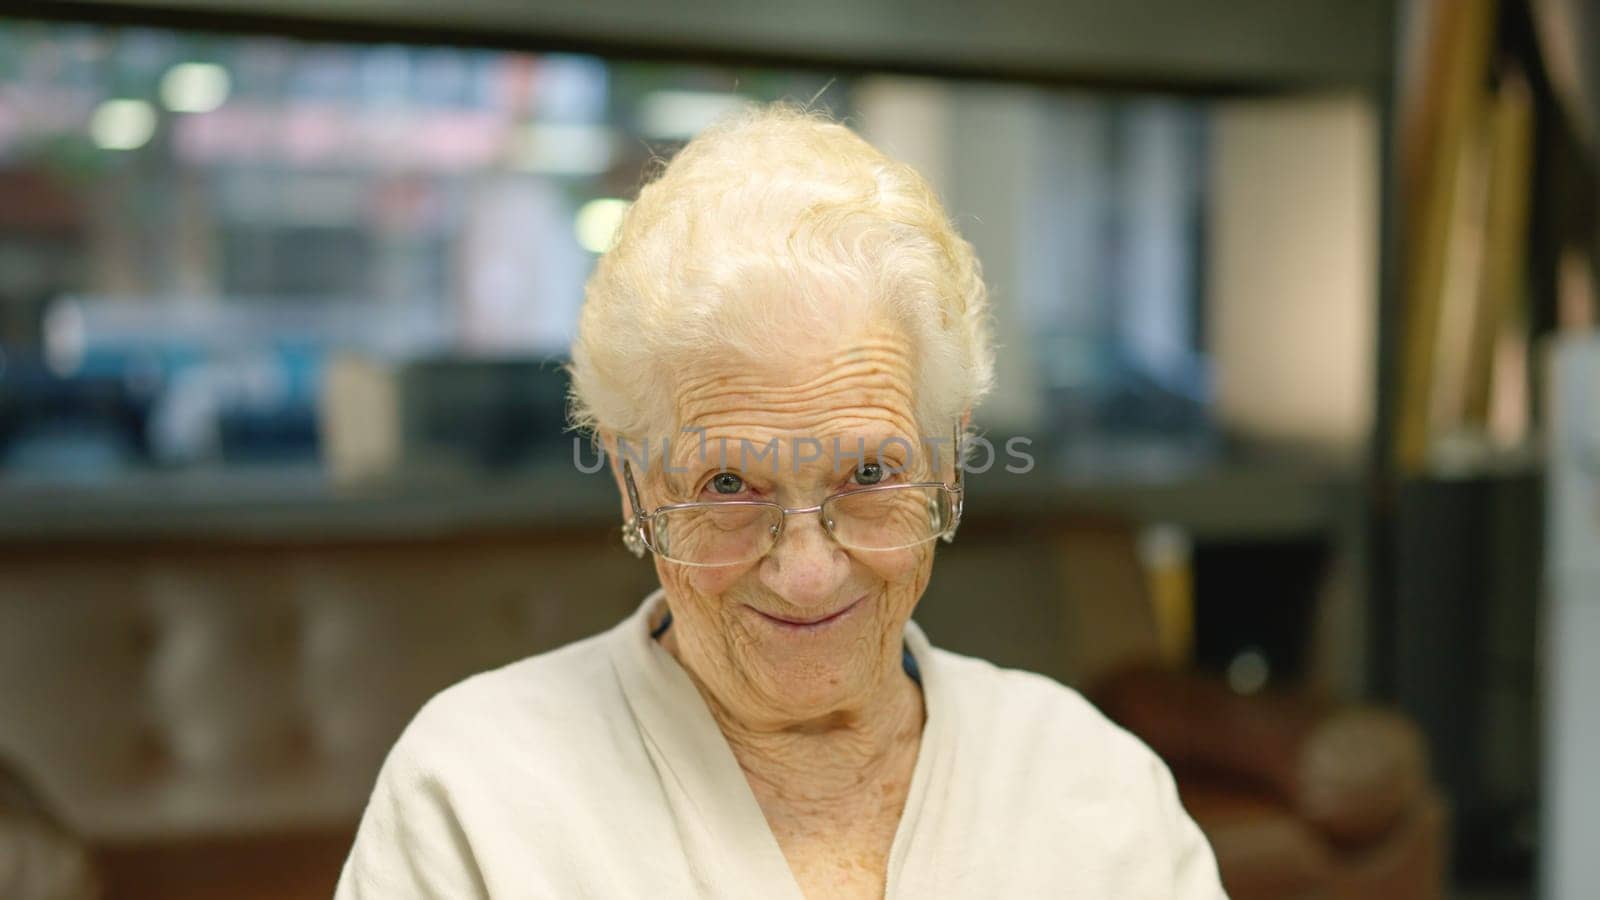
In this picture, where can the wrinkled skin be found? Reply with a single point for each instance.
(823, 719)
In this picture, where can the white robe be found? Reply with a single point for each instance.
(596, 770)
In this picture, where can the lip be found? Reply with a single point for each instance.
(809, 624)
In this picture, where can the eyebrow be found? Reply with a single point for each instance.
(745, 455)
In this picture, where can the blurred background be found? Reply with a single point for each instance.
(1296, 305)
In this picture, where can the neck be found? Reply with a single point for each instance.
(812, 764)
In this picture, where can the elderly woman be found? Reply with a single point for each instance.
(777, 353)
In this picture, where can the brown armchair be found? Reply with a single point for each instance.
(1301, 796)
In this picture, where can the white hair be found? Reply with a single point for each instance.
(763, 235)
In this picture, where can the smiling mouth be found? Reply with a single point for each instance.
(809, 623)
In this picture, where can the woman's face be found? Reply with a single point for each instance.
(812, 628)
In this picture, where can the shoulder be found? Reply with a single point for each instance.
(481, 760)
(542, 708)
(1058, 782)
(1018, 703)
(1059, 742)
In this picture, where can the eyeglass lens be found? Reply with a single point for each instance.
(728, 533)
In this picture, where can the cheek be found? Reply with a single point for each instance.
(700, 587)
(714, 582)
(900, 570)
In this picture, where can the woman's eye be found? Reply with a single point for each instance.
(727, 483)
(868, 474)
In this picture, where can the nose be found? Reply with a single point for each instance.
(806, 567)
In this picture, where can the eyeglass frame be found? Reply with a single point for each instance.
(633, 531)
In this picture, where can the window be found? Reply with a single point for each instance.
(191, 224)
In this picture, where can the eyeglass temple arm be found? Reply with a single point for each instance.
(633, 529)
(955, 453)
(634, 509)
(960, 489)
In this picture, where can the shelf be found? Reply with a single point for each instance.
(300, 505)
(1181, 44)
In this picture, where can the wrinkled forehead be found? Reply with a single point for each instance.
(863, 371)
(818, 407)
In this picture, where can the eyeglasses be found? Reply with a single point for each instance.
(733, 532)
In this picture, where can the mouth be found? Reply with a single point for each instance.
(809, 624)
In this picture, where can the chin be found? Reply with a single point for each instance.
(818, 668)
(814, 691)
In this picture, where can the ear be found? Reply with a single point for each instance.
(608, 446)
(632, 537)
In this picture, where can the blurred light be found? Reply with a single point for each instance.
(122, 124)
(562, 149)
(63, 337)
(597, 223)
(571, 88)
(680, 115)
(1163, 546)
(194, 87)
(1248, 672)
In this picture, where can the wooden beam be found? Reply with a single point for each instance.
(1181, 44)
